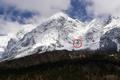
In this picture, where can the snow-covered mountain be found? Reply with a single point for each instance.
(5, 38)
(56, 33)
(60, 32)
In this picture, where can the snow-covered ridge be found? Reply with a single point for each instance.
(59, 32)
(59, 15)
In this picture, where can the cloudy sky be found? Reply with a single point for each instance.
(14, 13)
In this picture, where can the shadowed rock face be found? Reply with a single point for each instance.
(110, 40)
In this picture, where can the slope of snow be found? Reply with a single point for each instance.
(3, 42)
(24, 29)
(93, 33)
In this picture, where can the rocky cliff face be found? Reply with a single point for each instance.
(110, 41)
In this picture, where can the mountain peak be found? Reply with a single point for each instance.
(60, 15)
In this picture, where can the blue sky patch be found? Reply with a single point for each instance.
(77, 10)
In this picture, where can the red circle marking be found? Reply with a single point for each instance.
(77, 43)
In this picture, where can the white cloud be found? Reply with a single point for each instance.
(9, 27)
(99, 7)
(45, 7)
